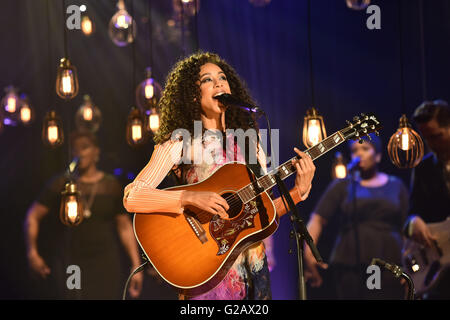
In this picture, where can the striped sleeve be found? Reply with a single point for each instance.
(141, 196)
(261, 155)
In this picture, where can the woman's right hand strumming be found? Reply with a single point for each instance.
(208, 201)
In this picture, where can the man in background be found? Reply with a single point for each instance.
(430, 183)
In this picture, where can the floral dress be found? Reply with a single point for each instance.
(248, 278)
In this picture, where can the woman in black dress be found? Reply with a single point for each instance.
(372, 207)
(94, 245)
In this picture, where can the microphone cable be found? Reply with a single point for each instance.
(137, 270)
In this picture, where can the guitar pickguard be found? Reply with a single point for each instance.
(225, 232)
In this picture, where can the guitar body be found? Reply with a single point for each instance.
(194, 251)
(426, 265)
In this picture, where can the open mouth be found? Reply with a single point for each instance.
(219, 94)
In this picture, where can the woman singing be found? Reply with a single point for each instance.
(189, 96)
(371, 207)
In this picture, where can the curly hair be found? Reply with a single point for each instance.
(180, 102)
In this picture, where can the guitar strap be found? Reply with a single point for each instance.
(256, 169)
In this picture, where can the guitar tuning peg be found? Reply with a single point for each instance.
(363, 115)
(372, 127)
(377, 133)
(355, 118)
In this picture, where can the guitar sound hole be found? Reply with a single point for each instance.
(234, 202)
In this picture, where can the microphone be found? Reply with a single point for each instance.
(228, 100)
(397, 272)
(353, 164)
(395, 269)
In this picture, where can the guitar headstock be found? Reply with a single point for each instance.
(361, 126)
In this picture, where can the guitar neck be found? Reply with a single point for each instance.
(268, 181)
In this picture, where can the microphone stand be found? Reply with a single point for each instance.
(301, 235)
(298, 226)
(411, 289)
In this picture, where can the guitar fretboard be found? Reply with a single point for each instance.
(266, 182)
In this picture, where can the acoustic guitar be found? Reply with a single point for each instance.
(194, 251)
(426, 265)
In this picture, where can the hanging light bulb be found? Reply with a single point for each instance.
(71, 209)
(136, 133)
(87, 26)
(405, 137)
(152, 120)
(313, 128)
(339, 167)
(26, 110)
(52, 133)
(405, 146)
(10, 106)
(148, 93)
(25, 114)
(357, 4)
(122, 27)
(87, 113)
(66, 80)
(11, 100)
(149, 90)
(88, 116)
